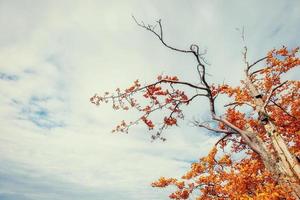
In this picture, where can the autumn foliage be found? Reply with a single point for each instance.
(257, 154)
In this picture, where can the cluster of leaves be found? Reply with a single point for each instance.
(160, 95)
(224, 178)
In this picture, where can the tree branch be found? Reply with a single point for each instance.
(194, 49)
(253, 64)
(223, 138)
(239, 103)
(276, 104)
(271, 94)
(159, 35)
(216, 130)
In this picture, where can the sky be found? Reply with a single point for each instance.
(54, 55)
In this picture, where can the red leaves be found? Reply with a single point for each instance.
(160, 95)
(235, 117)
(283, 51)
(134, 87)
(170, 121)
(278, 62)
(148, 122)
(181, 194)
(287, 60)
(147, 109)
(153, 91)
(240, 94)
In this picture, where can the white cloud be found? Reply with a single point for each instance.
(62, 53)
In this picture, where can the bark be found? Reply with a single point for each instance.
(281, 163)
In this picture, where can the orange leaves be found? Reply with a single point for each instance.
(196, 169)
(183, 192)
(223, 178)
(283, 51)
(240, 94)
(210, 159)
(170, 121)
(225, 160)
(148, 122)
(235, 117)
(285, 113)
(286, 61)
(278, 62)
(163, 182)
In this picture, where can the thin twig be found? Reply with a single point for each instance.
(271, 94)
(253, 64)
(283, 109)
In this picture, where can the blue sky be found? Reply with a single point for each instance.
(54, 56)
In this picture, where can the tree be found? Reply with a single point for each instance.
(261, 125)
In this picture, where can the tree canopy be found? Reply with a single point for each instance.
(257, 154)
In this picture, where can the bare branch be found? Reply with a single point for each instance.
(253, 64)
(240, 103)
(245, 56)
(194, 49)
(223, 138)
(216, 130)
(160, 28)
(160, 35)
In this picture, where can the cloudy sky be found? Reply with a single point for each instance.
(54, 55)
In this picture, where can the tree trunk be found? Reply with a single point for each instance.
(281, 163)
